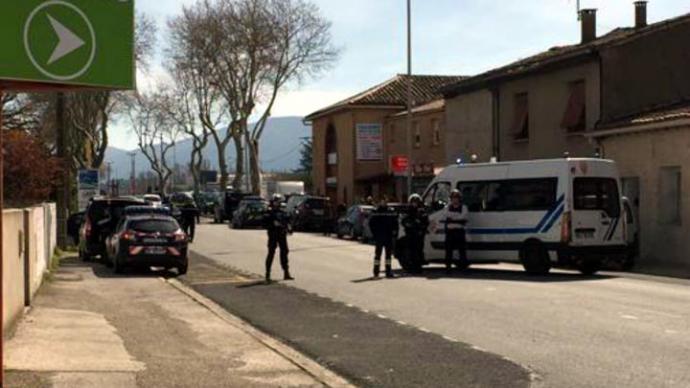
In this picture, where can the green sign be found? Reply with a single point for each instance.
(68, 42)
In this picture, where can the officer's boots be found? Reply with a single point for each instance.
(287, 276)
(389, 272)
(377, 271)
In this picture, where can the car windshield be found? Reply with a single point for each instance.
(154, 225)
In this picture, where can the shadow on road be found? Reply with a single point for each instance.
(102, 271)
(503, 275)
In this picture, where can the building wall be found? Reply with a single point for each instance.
(642, 156)
(657, 76)
(428, 151)
(469, 126)
(13, 266)
(548, 98)
(349, 170)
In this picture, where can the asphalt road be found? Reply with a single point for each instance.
(572, 331)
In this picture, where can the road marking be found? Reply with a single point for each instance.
(382, 316)
(630, 317)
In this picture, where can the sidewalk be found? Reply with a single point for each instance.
(89, 328)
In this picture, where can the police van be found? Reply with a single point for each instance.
(541, 213)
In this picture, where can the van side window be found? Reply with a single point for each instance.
(510, 195)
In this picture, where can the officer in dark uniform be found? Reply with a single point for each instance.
(277, 224)
(384, 228)
(189, 217)
(416, 224)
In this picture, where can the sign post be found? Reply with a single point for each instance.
(63, 45)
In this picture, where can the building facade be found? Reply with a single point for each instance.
(355, 139)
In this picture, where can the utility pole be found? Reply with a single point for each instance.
(133, 174)
(63, 192)
(2, 256)
(409, 98)
(108, 175)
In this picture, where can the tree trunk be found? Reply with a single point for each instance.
(239, 162)
(255, 166)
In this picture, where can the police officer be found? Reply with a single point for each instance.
(189, 217)
(384, 228)
(277, 224)
(416, 224)
(455, 219)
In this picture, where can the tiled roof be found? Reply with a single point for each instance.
(393, 93)
(676, 111)
(430, 107)
(557, 56)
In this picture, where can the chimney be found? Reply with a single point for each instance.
(640, 14)
(589, 25)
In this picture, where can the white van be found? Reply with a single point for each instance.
(539, 213)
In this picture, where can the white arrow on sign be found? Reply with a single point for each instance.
(68, 41)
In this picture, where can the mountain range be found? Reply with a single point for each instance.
(280, 150)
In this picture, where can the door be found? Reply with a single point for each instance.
(435, 200)
(596, 212)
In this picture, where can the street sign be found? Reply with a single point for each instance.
(399, 165)
(67, 43)
(87, 186)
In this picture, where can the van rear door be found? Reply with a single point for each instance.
(596, 213)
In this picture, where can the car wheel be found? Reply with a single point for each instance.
(182, 269)
(118, 268)
(589, 267)
(535, 258)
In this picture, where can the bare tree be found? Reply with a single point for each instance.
(191, 49)
(156, 133)
(255, 48)
(197, 105)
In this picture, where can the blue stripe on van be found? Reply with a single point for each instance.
(544, 225)
(613, 229)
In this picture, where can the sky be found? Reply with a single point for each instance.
(450, 37)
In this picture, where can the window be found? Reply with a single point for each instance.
(417, 134)
(597, 194)
(153, 226)
(510, 195)
(436, 126)
(670, 196)
(575, 116)
(521, 117)
(438, 195)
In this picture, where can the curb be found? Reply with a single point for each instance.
(311, 367)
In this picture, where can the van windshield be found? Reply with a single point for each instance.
(597, 194)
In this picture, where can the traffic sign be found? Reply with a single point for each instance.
(399, 165)
(83, 43)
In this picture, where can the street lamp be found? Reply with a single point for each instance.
(409, 98)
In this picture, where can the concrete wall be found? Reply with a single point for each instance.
(29, 239)
(649, 71)
(469, 127)
(13, 266)
(641, 156)
(548, 98)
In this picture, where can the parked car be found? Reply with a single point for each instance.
(352, 224)
(312, 214)
(227, 205)
(153, 199)
(207, 202)
(102, 216)
(148, 241)
(250, 213)
(146, 210)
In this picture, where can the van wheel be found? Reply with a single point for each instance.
(589, 267)
(535, 258)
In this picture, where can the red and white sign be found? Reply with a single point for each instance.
(399, 165)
